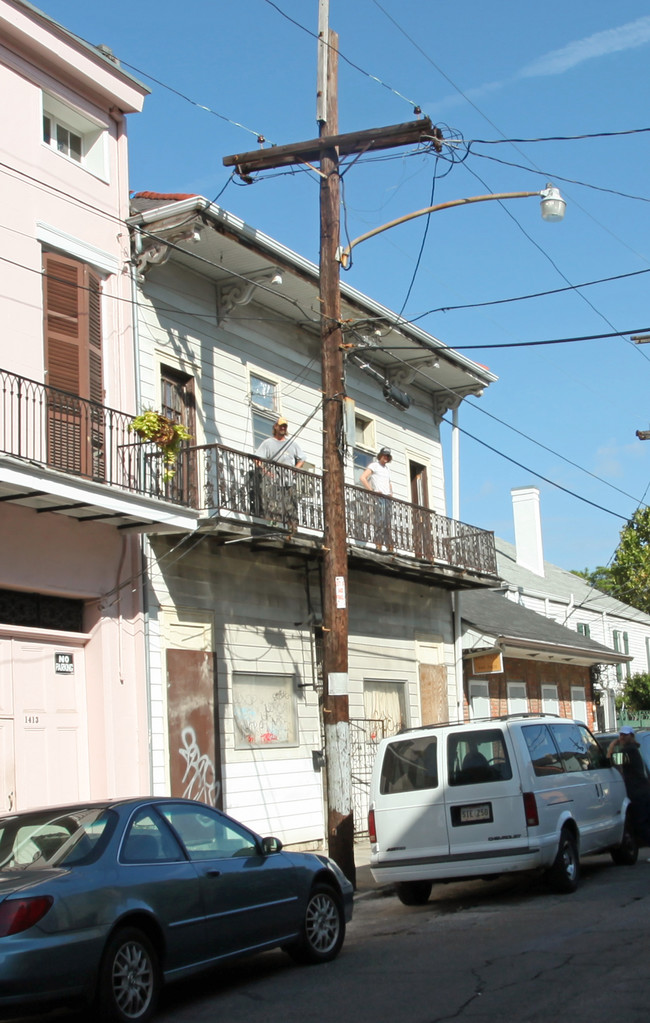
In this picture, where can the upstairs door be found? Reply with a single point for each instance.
(178, 405)
(73, 367)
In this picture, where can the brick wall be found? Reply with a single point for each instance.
(533, 674)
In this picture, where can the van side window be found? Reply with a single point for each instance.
(574, 744)
(543, 751)
(475, 757)
(409, 765)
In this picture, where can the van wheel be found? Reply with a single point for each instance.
(564, 875)
(626, 854)
(414, 893)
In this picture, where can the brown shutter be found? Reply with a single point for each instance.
(73, 364)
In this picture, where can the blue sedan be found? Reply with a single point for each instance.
(104, 902)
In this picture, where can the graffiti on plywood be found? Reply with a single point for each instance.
(199, 779)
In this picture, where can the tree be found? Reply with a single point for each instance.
(636, 693)
(630, 568)
(599, 577)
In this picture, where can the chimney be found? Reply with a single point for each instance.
(528, 529)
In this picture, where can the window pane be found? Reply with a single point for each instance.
(263, 393)
(410, 765)
(543, 751)
(361, 460)
(573, 749)
(264, 710)
(75, 147)
(475, 757)
(262, 428)
(149, 841)
(384, 701)
(208, 835)
(47, 130)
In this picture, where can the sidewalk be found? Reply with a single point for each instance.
(366, 884)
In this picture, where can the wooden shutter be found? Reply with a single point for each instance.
(73, 366)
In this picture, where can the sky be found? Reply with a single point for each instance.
(525, 95)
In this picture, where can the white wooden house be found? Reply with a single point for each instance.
(229, 339)
(571, 601)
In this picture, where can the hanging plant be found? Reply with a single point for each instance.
(167, 435)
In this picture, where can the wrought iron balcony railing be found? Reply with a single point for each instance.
(81, 438)
(234, 485)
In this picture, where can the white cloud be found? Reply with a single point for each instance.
(612, 40)
(556, 62)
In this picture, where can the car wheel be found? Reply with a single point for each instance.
(129, 980)
(564, 875)
(413, 893)
(626, 854)
(323, 928)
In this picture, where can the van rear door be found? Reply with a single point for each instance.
(408, 803)
(486, 818)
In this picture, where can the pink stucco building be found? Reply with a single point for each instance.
(76, 486)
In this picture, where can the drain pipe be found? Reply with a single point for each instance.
(456, 597)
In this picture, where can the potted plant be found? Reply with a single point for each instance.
(168, 436)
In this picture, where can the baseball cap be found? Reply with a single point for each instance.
(626, 730)
(281, 422)
(385, 451)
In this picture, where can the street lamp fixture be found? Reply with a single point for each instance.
(552, 209)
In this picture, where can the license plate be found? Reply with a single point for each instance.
(475, 814)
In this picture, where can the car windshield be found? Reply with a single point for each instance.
(51, 838)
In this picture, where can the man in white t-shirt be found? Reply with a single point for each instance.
(376, 477)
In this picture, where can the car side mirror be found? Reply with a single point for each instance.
(271, 845)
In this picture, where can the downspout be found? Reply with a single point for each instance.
(144, 545)
(456, 600)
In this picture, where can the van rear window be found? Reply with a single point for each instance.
(409, 765)
(477, 757)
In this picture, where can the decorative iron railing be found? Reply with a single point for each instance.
(43, 425)
(232, 484)
(81, 438)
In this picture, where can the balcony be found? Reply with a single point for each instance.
(61, 453)
(234, 489)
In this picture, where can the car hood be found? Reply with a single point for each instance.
(14, 881)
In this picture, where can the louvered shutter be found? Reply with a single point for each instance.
(73, 363)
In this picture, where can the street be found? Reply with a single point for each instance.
(493, 950)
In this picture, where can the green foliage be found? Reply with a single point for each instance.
(153, 426)
(636, 693)
(599, 577)
(630, 569)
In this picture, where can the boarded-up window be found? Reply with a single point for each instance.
(73, 365)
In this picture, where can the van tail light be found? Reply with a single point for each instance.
(530, 809)
(372, 831)
(18, 915)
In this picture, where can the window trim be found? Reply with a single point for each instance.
(92, 132)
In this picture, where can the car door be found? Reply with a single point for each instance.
(589, 782)
(408, 803)
(485, 809)
(155, 874)
(250, 898)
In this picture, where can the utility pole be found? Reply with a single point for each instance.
(327, 149)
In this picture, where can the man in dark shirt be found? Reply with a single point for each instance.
(636, 781)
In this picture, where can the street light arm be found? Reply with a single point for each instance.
(344, 254)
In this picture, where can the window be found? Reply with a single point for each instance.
(578, 703)
(384, 701)
(479, 700)
(621, 645)
(264, 402)
(264, 710)
(578, 749)
(148, 840)
(583, 629)
(477, 756)
(543, 751)
(550, 702)
(207, 835)
(409, 765)
(517, 698)
(364, 444)
(75, 136)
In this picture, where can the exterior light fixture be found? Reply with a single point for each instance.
(552, 204)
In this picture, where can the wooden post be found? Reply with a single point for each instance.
(340, 827)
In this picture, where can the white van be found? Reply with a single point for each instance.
(490, 797)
